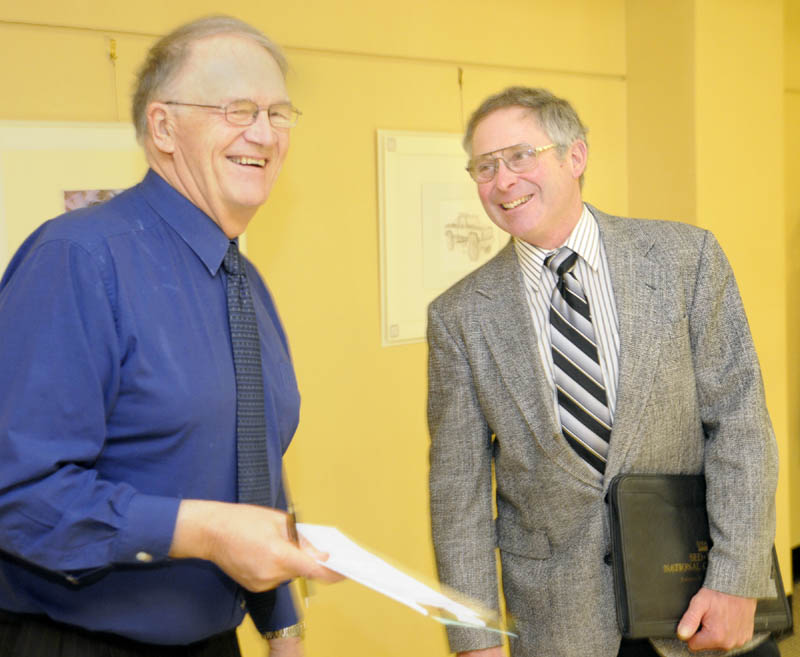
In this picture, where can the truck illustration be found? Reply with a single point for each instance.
(470, 231)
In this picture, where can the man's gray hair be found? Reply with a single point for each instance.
(167, 56)
(556, 116)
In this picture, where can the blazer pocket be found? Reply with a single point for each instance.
(519, 540)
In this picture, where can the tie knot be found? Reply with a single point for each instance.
(231, 263)
(562, 261)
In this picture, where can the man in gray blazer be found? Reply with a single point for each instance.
(676, 389)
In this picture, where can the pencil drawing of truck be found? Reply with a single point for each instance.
(470, 231)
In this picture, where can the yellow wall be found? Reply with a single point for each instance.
(360, 457)
(792, 176)
(660, 86)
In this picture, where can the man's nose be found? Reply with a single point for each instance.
(261, 130)
(505, 177)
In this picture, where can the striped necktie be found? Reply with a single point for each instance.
(580, 388)
(251, 430)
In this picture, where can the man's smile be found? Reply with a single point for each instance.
(249, 161)
(510, 205)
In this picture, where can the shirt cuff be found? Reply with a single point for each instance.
(284, 613)
(146, 534)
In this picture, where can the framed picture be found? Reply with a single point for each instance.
(433, 230)
(47, 168)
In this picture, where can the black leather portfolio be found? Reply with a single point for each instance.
(659, 552)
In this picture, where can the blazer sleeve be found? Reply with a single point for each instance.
(741, 463)
(460, 476)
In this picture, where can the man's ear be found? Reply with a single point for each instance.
(160, 127)
(578, 155)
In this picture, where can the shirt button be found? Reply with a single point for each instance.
(145, 557)
(242, 604)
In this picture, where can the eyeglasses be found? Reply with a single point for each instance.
(245, 112)
(518, 158)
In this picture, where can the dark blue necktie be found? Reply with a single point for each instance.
(251, 430)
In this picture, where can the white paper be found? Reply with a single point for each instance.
(360, 565)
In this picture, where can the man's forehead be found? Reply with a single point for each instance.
(212, 42)
(220, 50)
(232, 65)
(511, 115)
(505, 127)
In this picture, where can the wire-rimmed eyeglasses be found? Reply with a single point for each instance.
(245, 112)
(519, 158)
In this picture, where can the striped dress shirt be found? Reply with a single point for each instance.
(592, 272)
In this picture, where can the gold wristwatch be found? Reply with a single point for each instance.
(298, 630)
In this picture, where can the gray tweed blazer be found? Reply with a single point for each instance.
(690, 399)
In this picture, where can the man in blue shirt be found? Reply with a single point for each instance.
(118, 479)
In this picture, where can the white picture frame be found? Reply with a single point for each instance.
(433, 230)
(41, 160)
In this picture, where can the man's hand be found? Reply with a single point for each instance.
(249, 543)
(724, 621)
(497, 651)
(289, 647)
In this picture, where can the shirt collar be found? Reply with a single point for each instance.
(194, 226)
(583, 240)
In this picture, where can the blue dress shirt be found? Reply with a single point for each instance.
(117, 400)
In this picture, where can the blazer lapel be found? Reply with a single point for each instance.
(638, 288)
(508, 329)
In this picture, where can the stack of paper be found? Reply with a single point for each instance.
(360, 565)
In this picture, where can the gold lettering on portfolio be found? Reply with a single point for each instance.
(697, 562)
